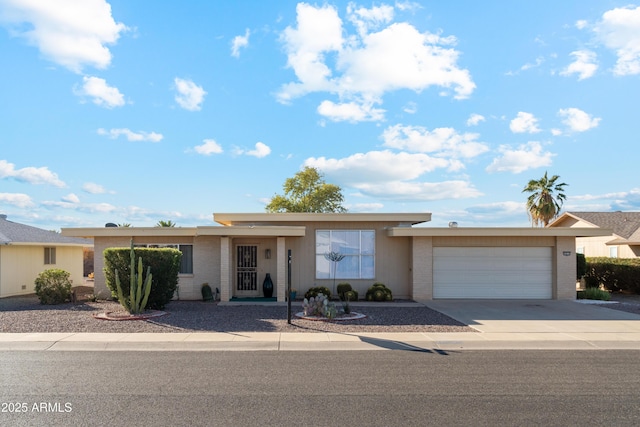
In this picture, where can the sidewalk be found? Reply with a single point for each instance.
(501, 325)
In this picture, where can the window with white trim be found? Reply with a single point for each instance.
(186, 263)
(613, 251)
(49, 256)
(357, 247)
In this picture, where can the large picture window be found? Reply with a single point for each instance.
(358, 248)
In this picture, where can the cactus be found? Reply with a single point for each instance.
(379, 292)
(138, 290)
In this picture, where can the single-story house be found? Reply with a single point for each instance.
(27, 251)
(623, 242)
(418, 263)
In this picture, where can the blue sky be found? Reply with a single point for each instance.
(135, 112)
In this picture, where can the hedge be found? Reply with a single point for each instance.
(165, 265)
(615, 274)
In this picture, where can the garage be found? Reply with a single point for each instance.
(492, 272)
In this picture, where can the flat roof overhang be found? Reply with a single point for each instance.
(496, 232)
(231, 231)
(229, 219)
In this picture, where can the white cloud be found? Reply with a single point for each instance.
(377, 167)
(30, 175)
(446, 142)
(366, 20)
(17, 199)
(584, 65)
(350, 111)
(420, 191)
(388, 175)
(577, 120)
(71, 33)
(208, 147)
(360, 68)
(526, 156)
(102, 94)
(475, 119)
(130, 135)
(364, 207)
(260, 150)
(239, 42)
(524, 123)
(410, 108)
(190, 96)
(93, 188)
(581, 24)
(619, 30)
(71, 198)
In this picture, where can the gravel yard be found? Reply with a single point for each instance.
(26, 314)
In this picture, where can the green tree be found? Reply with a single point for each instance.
(546, 199)
(167, 223)
(307, 192)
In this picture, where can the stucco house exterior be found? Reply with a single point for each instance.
(26, 251)
(414, 261)
(623, 242)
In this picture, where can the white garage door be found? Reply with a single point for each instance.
(492, 273)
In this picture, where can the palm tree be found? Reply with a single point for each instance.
(543, 205)
(167, 223)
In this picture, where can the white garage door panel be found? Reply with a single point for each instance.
(506, 273)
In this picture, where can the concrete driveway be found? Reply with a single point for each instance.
(539, 316)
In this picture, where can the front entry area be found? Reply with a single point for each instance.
(247, 271)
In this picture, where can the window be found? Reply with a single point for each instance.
(613, 251)
(186, 264)
(49, 255)
(358, 248)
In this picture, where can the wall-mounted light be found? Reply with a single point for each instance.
(566, 253)
(267, 253)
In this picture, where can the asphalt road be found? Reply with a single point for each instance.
(350, 388)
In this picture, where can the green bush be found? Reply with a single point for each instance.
(164, 262)
(594, 293)
(581, 266)
(614, 274)
(346, 292)
(379, 292)
(314, 292)
(53, 286)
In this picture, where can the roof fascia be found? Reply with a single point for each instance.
(499, 232)
(229, 219)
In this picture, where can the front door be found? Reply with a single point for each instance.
(247, 271)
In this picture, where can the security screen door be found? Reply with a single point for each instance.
(246, 270)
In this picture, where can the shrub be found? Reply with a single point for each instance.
(53, 286)
(346, 293)
(314, 292)
(164, 262)
(379, 292)
(615, 274)
(594, 293)
(581, 266)
(139, 285)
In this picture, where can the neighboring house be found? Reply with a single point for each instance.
(416, 263)
(27, 251)
(623, 242)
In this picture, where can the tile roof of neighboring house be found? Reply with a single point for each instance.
(624, 224)
(14, 233)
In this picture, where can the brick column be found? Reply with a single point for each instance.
(281, 270)
(422, 265)
(225, 269)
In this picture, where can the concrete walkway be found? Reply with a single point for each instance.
(501, 325)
